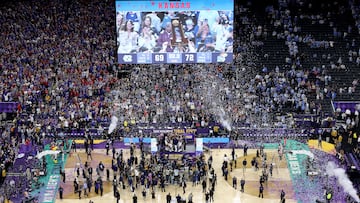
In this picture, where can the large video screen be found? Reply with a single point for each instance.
(187, 31)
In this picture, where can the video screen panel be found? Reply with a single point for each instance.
(188, 31)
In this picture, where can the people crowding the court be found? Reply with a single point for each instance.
(146, 172)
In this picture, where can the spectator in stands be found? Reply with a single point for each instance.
(120, 21)
(128, 38)
(164, 40)
(147, 40)
(204, 39)
(189, 30)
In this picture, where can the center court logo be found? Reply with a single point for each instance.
(127, 58)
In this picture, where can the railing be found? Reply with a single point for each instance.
(344, 105)
(354, 161)
(332, 106)
(15, 174)
(8, 107)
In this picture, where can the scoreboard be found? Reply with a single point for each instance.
(161, 58)
(185, 31)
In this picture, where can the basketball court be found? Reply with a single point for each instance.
(224, 191)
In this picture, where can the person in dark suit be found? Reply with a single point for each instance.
(61, 191)
(168, 198)
(90, 171)
(117, 195)
(134, 198)
(242, 184)
(282, 196)
(261, 191)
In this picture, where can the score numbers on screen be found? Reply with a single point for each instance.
(189, 57)
(159, 58)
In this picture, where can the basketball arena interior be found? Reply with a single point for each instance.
(184, 101)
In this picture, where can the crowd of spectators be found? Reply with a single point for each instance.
(60, 87)
(56, 65)
(56, 84)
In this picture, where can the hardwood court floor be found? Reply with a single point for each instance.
(224, 192)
